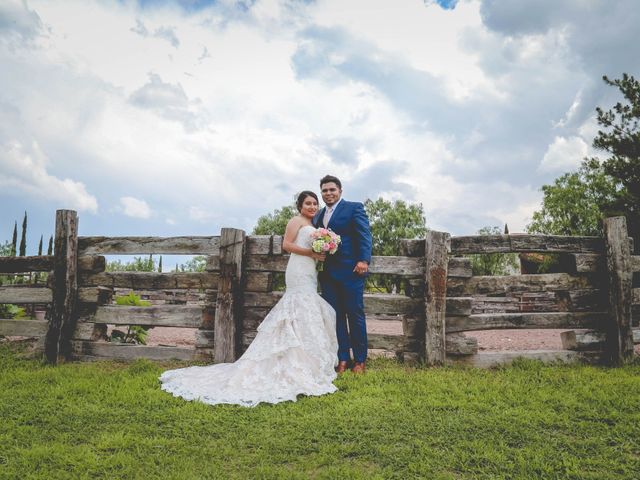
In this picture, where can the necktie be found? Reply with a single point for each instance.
(327, 216)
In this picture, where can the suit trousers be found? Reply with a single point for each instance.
(345, 295)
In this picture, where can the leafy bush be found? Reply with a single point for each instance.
(8, 310)
(135, 334)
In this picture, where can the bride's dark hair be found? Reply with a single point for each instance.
(302, 196)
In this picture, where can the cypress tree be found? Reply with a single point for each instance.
(50, 247)
(40, 246)
(506, 229)
(160, 265)
(23, 239)
(14, 242)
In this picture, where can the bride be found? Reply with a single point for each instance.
(295, 350)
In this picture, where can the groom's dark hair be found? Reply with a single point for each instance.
(329, 179)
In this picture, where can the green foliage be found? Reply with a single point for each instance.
(8, 310)
(131, 300)
(577, 201)
(50, 247)
(110, 419)
(620, 138)
(14, 240)
(23, 239)
(135, 333)
(573, 205)
(139, 264)
(40, 246)
(6, 249)
(493, 263)
(390, 222)
(195, 264)
(275, 223)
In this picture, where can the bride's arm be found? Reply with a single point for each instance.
(288, 242)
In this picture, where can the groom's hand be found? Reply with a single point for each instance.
(361, 268)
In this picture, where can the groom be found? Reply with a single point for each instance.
(342, 280)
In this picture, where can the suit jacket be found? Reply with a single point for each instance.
(350, 221)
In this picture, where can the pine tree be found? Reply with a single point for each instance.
(37, 275)
(50, 247)
(14, 242)
(23, 239)
(160, 265)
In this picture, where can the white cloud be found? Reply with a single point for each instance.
(564, 154)
(202, 215)
(134, 207)
(220, 114)
(24, 171)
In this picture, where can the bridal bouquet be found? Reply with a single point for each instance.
(324, 241)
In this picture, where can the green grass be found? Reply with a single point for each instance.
(111, 420)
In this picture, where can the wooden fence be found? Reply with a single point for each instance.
(441, 298)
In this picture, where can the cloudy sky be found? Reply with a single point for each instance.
(167, 118)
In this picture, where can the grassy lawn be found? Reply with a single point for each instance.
(111, 420)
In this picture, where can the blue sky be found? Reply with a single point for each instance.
(170, 118)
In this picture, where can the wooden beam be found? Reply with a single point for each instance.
(525, 243)
(259, 245)
(258, 281)
(43, 263)
(529, 320)
(374, 303)
(460, 267)
(148, 245)
(459, 306)
(92, 264)
(62, 320)
(494, 359)
(460, 344)
(588, 262)
(488, 285)
(23, 328)
(99, 295)
(619, 345)
(228, 316)
(87, 350)
(151, 280)
(437, 247)
(189, 316)
(25, 294)
(412, 247)
(380, 341)
(262, 263)
(589, 339)
(404, 266)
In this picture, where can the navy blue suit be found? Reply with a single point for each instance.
(341, 287)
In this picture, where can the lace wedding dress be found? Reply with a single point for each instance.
(294, 352)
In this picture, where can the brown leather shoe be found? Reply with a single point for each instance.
(359, 367)
(342, 367)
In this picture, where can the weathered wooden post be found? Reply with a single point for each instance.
(437, 248)
(619, 336)
(228, 316)
(62, 321)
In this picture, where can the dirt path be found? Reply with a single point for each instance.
(488, 340)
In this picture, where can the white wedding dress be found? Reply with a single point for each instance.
(294, 352)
